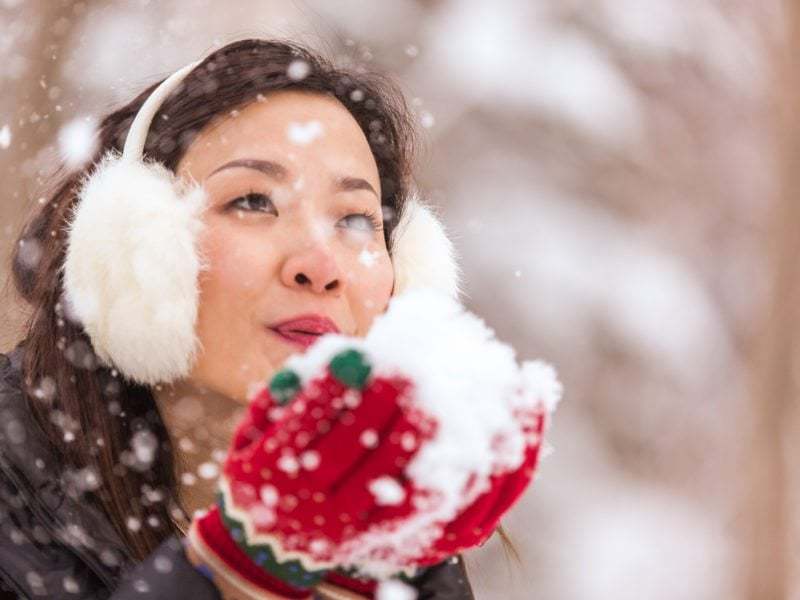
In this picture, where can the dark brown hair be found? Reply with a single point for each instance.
(100, 403)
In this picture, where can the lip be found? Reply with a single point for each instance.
(304, 330)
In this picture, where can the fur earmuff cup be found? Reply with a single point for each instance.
(131, 268)
(422, 253)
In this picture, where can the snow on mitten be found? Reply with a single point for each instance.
(475, 524)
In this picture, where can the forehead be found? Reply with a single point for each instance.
(289, 124)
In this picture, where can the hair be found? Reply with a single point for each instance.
(99, 402)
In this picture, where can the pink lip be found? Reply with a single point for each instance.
(304, 330)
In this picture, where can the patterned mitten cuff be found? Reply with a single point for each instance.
(223, 538)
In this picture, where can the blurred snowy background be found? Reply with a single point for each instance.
(608, 169)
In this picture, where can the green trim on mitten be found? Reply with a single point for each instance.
(291, 571)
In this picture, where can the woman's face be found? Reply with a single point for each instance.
(288, 180)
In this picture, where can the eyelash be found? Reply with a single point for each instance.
(371, 216)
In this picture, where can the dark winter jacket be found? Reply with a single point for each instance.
(53, 546)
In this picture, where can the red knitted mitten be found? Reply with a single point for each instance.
(297, 481)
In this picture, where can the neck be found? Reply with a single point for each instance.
(201, 423)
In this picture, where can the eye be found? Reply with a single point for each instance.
(250, 201)
(255, 201)
(369, 220)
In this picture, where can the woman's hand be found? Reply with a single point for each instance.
(297, 483)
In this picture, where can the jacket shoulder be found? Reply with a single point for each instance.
(33, 563)
(54, 546)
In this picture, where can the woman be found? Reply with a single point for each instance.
(91, 503)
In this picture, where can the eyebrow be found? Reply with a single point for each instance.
(267, 167)
(279, 172)
(348, 184)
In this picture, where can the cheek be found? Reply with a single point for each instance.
(371, 288)
(237, 263)
(228, 319)
(237, 271)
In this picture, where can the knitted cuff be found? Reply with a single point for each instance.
(258, 567)
(291, 571)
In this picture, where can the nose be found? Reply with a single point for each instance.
(314, 268)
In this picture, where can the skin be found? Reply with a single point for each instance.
(306, 251)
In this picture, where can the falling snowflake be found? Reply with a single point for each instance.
(162, 564)
(408, 441)
(186, 444)
(303, 134)
(71, 585)
(5, 137)
(152, 494)
(269, 495)
(319, 546)
(144, 445)
(288, 464)
(35, 581)
(298, 69)
(134, 524)
(109, 558)
(369, 438)
(387, 491)
(426, 119)
(352, 398)
(46, 389)
(77, 141)
(367, 258)
(17, 537)
(67, 424)
(310, 460)
(208, 470)
(86, 479)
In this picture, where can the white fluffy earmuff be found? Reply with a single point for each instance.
(132, 261)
